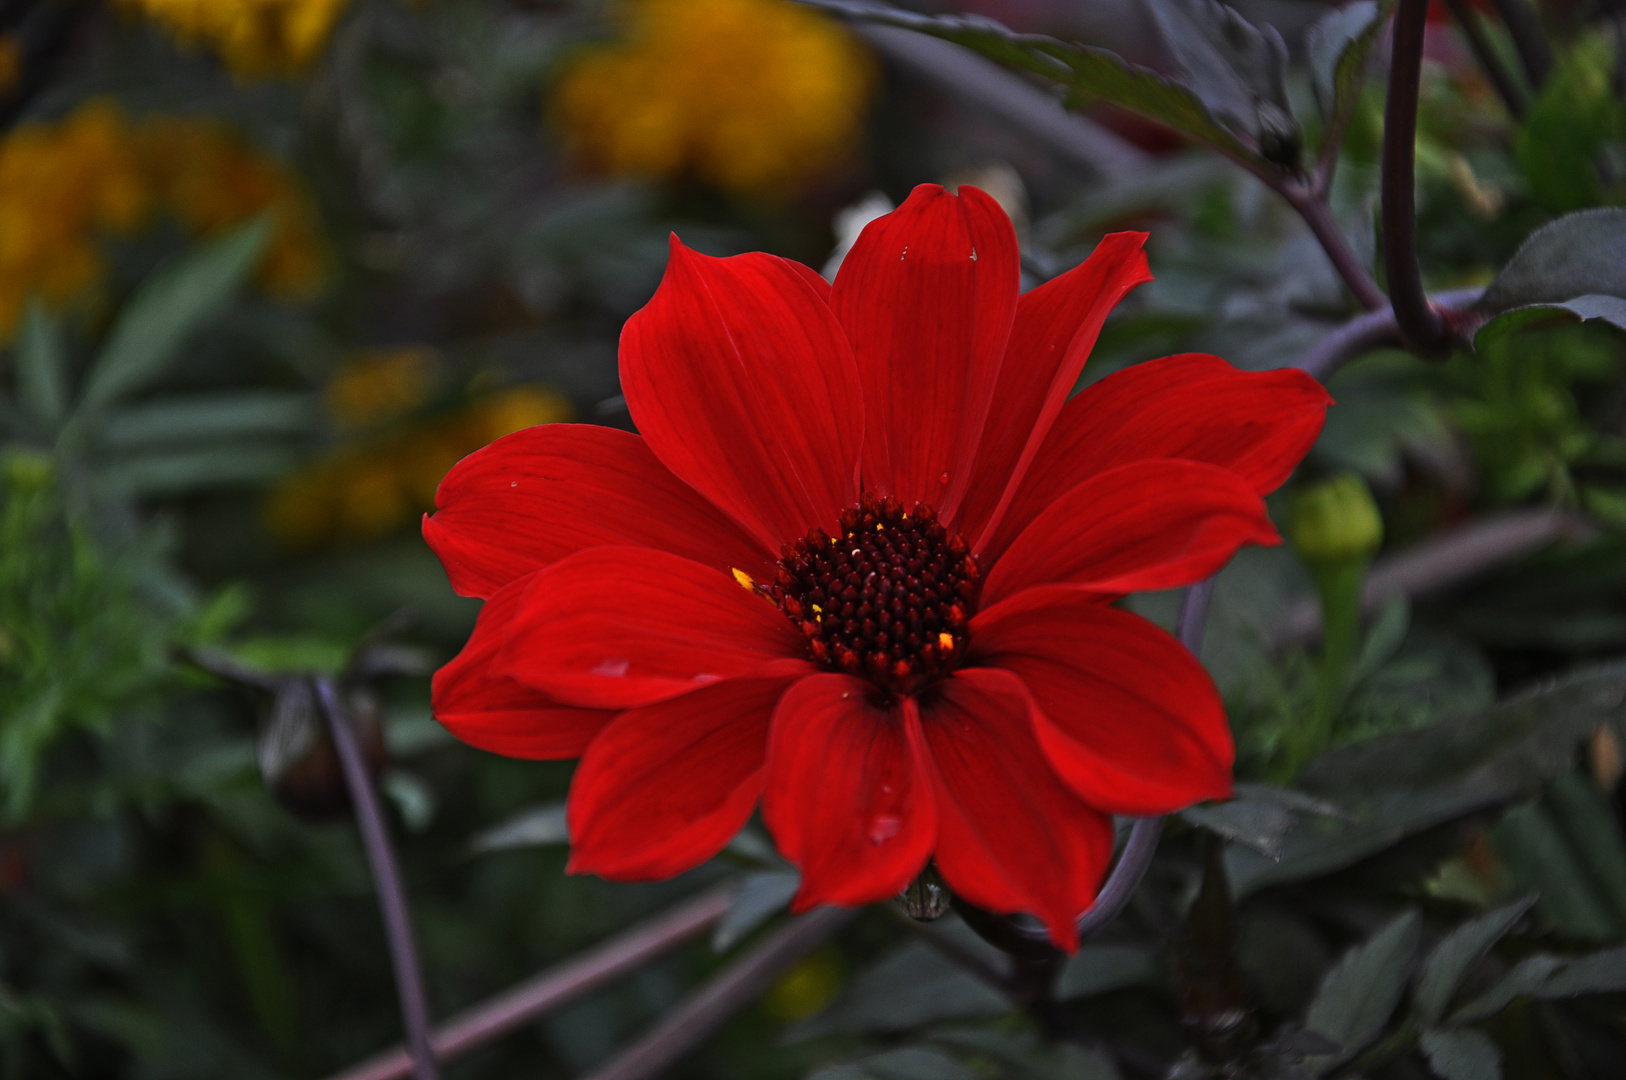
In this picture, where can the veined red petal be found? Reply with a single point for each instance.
(494, 712)
(616, 628)
(742, 382)
(665, 787)
(1258, 424)
(1126, 715)
(849, 797)
(1055, 329)
(1148, 525)
(1010, 835)
(927, 296)
(533, 497)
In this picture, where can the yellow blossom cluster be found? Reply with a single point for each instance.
(751, 96)
(67, 186)
(254, 38)
(373, 486)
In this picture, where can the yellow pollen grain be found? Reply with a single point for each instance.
(817, 610)
(879, 527)
(747, 582)
(945, 641)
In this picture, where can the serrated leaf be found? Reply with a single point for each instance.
(760, 898)
(208, 416)
(175, 303)
(1340, 44)
(1463, 1054)
(1581, 254)
(1458, 952)
(1360, 993)
(1085, 72)
(42, 374)
(538, 826)
(1229, 63)
(1611, 309)
(1527, 977)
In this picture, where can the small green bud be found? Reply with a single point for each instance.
(1335, 521)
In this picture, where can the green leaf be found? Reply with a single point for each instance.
(225, 464)
(1087, 73)
(1259, 816)
(176, 302)
(1536, 851)
(1237, 69)
(761, 897)
(1462, 1055)
(1565, 128)
(1452, 959)
(1590, 826)
(42, 376)
(1360, 993)
(1340, 44)
(208, 416)
(1026, 1056)
(1611, 309)
(538, 826)
(1600, 973)
(1097, 969)
(1579, 255)
(906, 1063)
(1526, 978)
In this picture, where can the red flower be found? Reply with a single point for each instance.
(923, 661)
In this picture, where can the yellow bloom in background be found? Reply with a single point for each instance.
(254, 38)
(373, 387)
(68, 186)
(370, 489)
(753, 96)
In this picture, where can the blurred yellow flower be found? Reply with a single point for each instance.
(255, 38)
(367, 490)
(806, 988)
(66, 187)
(373, 387)
(752, 96)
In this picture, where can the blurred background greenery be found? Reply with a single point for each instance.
(268, 268)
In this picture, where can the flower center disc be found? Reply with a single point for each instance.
(888, 599)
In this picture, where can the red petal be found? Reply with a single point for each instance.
(496, 713)
(812, 277)
(742, 381)
(1148, 525)
(1011, 836)
(1055, 329)
(848, 801)
(616, 628)
(927, 295)
(533, 497)
(666, 786)
(1127, 716)
(1258, 424)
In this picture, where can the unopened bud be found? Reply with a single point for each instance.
(926, 899)
(1335, 521)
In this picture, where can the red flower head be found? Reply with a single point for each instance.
(860, 566)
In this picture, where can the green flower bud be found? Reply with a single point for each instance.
(1335, 521)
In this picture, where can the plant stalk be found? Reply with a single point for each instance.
(392, 902)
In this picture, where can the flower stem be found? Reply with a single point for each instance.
(1421, 326)
(392, 902)
(1312, 207)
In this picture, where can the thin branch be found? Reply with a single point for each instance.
(574, 978)
(1422, 327)
(1369, 331)
(1529, 38)
(1473, 31)
(695, 1020)
(1313, 208)
(392, 902)
(1445, 561)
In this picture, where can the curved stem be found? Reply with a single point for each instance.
(1421, 326)
(1369, 331)
(392, 901)
(1312, 207)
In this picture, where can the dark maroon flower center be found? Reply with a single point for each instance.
(889, 599)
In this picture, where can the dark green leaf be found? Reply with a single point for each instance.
(1576, 113)
(1229, 63)
(1611, 309)
(1088, 74)
(1259, 816)
(1361, 991)
(907, 1063)
(1526, 978)
(1464, 1054)
(1452, 959)
(539, 826)
(1601, 973)
(42, 375)
(1590, 826)
(208, 416)
(224, 465)
(760, 898)
(1339, 45)
(175, 303)
(1028, 1057)
(1096, 969)
(1578, 255)
(1536, 851)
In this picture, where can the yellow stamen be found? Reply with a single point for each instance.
(817, 610)
(945, 641)
(747, 582)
